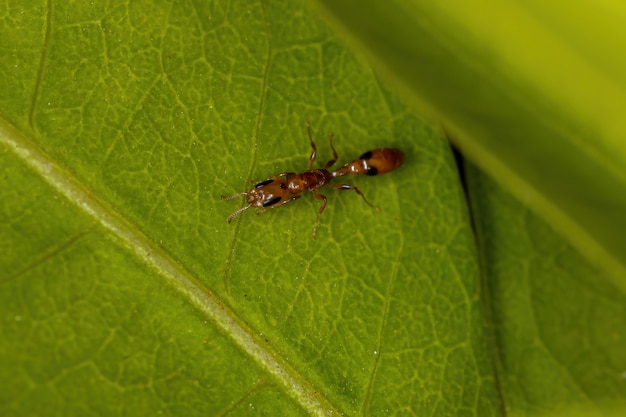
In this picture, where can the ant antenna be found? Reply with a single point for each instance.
(235, 214)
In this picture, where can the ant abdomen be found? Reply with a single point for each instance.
(374, 162)
(383, 160)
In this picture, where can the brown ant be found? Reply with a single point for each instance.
(286, 187)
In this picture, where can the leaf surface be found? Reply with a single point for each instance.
(557, 321)
(125, 292)
(532, 93)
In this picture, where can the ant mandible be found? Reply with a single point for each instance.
(286, 187)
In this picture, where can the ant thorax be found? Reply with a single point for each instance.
(308, 180)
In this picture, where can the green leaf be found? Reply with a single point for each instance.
(533, 92)
(558, 324)
(125, 292)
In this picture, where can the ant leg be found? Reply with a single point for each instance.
(335, 155)
(342, 187)
(314, 153)
(319, 213)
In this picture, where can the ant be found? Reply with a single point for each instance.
(286, 187)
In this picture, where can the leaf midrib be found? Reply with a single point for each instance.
(160, 261)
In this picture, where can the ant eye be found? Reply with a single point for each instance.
(271, 202)
(264, 183)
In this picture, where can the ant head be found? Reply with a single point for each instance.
(268, 194)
